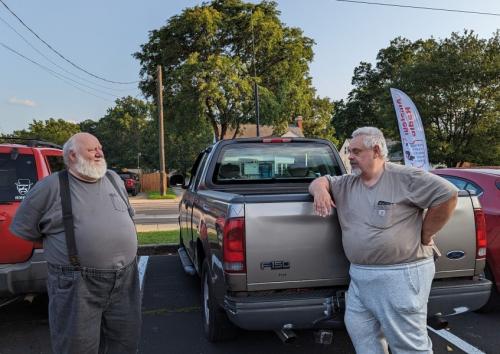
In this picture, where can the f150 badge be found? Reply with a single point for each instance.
(275, 265)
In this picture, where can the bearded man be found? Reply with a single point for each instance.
(90, 243)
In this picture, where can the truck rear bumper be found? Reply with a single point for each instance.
(447, 297)
(450, 297)
(22, 278)
(296, 313)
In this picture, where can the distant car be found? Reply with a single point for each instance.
(23, 269)
(485, 183)
(131, 181)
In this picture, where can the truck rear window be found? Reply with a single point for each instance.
(268, 163)
(17, 176)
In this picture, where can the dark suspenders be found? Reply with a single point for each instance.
(69, 227)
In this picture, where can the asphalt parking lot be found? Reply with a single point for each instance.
(172, 324)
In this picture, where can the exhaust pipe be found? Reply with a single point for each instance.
(286, 334)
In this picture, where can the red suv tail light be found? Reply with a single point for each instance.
(480, 234)
(233, 243)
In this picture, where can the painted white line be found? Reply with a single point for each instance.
(457, 342)
(143, 264)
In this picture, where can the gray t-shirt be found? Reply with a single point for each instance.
(104, 231)
(382, 224)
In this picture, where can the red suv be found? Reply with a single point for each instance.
(23, 269)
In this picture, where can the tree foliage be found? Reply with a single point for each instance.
(318, 125)
(213, 54)
(122, 132)
(454, 83)
(52, 130)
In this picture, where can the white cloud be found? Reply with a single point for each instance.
(21, 102)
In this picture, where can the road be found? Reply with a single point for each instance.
(172, 324)
(155, 214)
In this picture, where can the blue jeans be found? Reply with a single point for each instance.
(387, 306)
(94, 311)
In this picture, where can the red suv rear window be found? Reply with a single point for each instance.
(17, 176)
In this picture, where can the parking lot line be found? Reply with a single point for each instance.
(459, 343)
(143, 264)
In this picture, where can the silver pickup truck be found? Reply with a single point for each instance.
(266, 262)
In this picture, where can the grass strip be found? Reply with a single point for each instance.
(156, 195)
(158, 237)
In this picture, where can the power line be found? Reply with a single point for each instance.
(62, 56)
(58, 75)
(419, 7)
(54, 63)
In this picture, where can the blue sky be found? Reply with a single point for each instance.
(101, 36)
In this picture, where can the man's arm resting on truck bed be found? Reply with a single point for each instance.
(436, 217)
(320, 190)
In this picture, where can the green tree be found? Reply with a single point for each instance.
(454, 83)
(52, 130)
(122, 132)
(207, 53)
(320, 118)
(88, 126)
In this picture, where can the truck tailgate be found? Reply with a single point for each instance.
(457, 242)
(287, 246)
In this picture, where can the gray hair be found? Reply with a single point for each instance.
(68, 146)
(372, 136)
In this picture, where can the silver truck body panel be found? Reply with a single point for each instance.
(309, 247)
(459, 234)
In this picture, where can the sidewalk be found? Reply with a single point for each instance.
(156, 227)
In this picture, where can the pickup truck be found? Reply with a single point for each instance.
(23, 269)
(267, 262)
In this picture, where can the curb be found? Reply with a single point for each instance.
(158, 249)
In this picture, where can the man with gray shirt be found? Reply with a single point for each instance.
(93, 282)
(388, 242)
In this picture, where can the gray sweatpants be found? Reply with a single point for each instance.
(94, 311)
(387, 305)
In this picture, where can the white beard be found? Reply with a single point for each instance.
(356, 171)
(94, 170)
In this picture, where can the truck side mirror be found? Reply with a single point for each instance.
(185, 185)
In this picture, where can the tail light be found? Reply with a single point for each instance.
(38, 244)
(480, 234)
(233, 243)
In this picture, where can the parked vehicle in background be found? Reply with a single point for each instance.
(131, 181)
(267, 262)
(23, 269)
(485, 183)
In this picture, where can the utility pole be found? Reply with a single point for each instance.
(255, 86)
(159, 90)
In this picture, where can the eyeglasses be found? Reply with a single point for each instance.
(356, 151)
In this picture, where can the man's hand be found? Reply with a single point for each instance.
(320, 190)
(436, 218)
